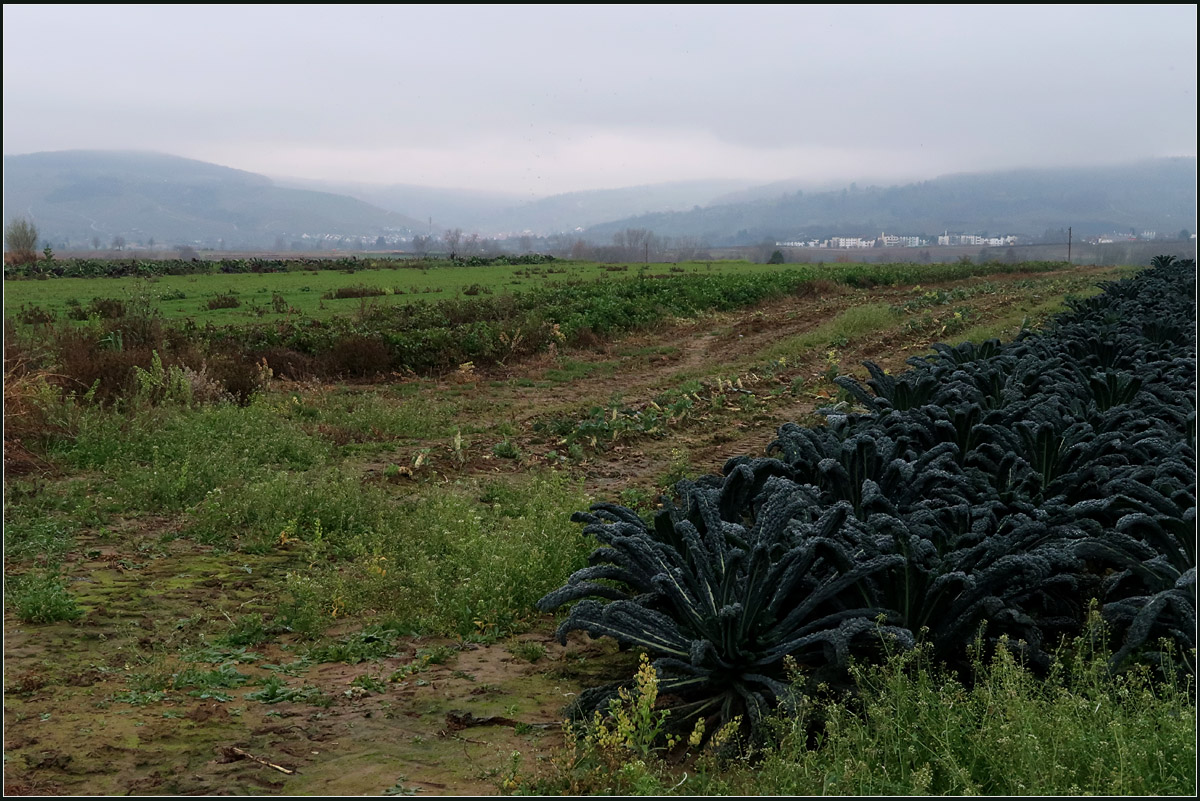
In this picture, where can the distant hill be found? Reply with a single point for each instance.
(436, 208)
(75, 196)
(573, 211)
(1154, 195)
(490, 214)
(78, 196)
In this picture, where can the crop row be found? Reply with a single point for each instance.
(991, 491)
(439, 335)
(421, 336)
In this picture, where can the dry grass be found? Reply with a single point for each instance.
(25, 418)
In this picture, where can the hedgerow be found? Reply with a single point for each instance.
(119, 268)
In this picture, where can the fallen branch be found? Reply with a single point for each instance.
(232, 752)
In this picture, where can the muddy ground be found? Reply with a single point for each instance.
(76, 722)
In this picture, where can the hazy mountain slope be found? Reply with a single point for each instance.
(577, 210)
(1158, 195)
(490, 213)
(435, 208)
(75, 196)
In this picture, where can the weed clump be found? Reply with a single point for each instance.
(225, 301)
(913, 728)
(624, 750)
(905, 726)
(359, 291)
(357, 357)
(40, 598)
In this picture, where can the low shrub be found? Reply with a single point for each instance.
(356, 356)
(106, 308)
(358, 291)
(87, 366)
(240, 377)
(35, 315)
(227, 301)
(289, 364)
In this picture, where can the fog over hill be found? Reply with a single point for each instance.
(82, 197)
(78, 197)
(493, 214)
(1155, 195)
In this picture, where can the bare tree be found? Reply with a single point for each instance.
(559, 245)
(453, 238)
(421, 243)
(118, 242)
(636, 243)
(763, 251)
(20, 239)
(687, 248)
(490, 247)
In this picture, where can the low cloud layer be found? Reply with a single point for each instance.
(539, 100)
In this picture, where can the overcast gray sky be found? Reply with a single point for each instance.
(545, 99)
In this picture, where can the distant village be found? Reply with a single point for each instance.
(953, 240)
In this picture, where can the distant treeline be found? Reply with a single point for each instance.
(121, 268)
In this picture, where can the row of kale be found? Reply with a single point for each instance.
(994, 487)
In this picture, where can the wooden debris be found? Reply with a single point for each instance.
(233, 753)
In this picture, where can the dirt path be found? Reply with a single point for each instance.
(728, 346)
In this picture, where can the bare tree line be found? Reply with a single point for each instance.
(628, 245)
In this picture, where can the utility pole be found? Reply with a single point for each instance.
(1068, 244)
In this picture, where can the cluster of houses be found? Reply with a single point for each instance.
(971, 239)
(1107, 239)
(891, 241)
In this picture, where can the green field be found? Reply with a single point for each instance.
(310, 292)
(339, 576)
(306, 291)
